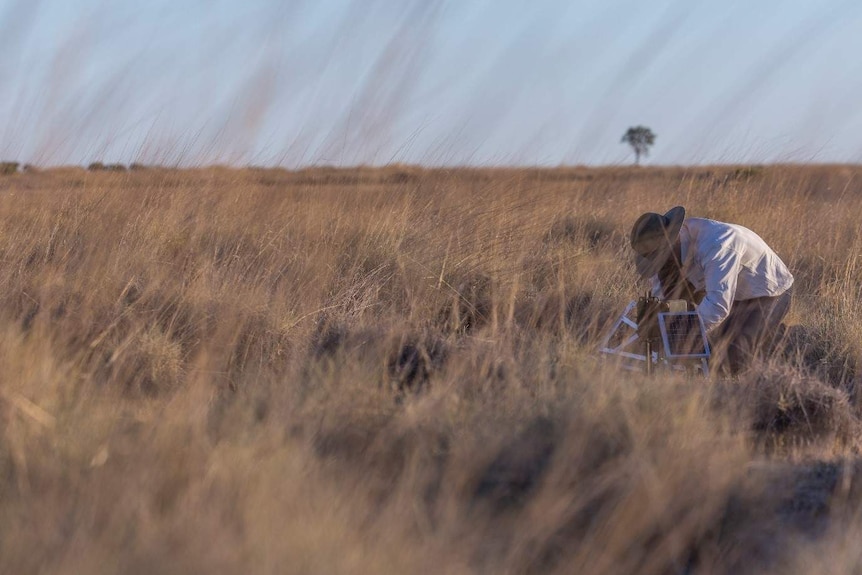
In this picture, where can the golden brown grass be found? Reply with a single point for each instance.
(394, 371)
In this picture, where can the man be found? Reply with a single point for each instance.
(740, 287)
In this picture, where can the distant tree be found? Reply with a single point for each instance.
(640, 138)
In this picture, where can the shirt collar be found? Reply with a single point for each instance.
(684, 241)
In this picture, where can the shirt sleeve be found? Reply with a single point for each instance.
(721, 272)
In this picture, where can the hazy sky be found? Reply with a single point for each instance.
(426, 81)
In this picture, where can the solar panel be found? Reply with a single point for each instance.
(683, 335)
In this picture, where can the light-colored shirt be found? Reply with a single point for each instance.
(730, 263)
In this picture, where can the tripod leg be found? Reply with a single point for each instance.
(648, 353)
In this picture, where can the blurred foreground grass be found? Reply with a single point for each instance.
(394, 371)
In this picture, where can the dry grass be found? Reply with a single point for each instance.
(393, 371)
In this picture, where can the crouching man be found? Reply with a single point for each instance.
(740, 287)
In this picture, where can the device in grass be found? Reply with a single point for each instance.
(652, 332)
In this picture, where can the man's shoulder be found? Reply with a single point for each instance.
(706, 222)
(713, 237)
(703, 229)
(711, 240)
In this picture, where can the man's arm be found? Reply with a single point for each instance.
(721, 271)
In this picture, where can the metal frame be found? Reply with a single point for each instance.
(638, 361)
(618, 351)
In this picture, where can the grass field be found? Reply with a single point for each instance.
(393, 371)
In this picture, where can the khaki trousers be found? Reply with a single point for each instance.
(749, 330)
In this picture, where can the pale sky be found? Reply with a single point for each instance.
(480, 82)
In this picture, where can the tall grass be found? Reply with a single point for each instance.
(393, 370)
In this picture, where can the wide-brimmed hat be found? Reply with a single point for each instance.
(653, 237)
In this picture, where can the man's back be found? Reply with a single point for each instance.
(713, 251)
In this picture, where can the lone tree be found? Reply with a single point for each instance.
(640, 138)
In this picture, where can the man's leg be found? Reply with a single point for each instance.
(777, 309)
(750, 327)
(727, 348)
